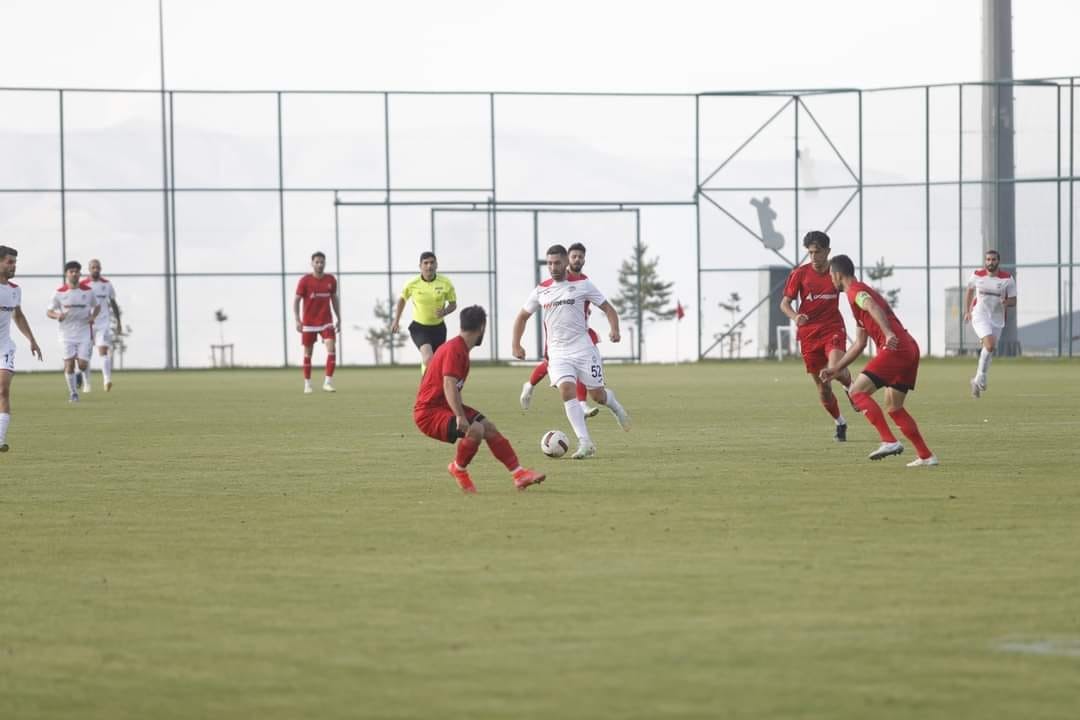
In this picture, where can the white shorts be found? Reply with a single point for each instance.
(7, 356)
(76, 348)
(103, 336)
(584, 365)
(984, 327)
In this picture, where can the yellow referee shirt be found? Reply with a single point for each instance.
(427, 297)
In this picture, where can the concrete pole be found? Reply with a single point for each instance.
(999, 190)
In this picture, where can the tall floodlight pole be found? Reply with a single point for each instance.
(169, 350)
(999, 189)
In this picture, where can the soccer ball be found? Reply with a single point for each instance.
(554, 443)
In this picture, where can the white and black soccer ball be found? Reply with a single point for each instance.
(554, 443)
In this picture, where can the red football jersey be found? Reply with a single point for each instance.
(316, 293)
(867, 322)
(818, 299)
(452, 358)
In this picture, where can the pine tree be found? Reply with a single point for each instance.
(642, 290)
(879, 272)
(379, 336)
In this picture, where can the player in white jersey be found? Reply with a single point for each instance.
(75, 308)
(10, 309)
(571, 353)
(990, 292)
(105, 294)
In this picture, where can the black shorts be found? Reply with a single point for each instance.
(452, 432)
(433, 335)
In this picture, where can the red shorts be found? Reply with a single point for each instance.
(816, 349)
(307, 339)
(440, 423)
(895, 368)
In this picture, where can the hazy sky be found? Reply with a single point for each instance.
(677, 45)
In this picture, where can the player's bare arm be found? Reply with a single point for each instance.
(786, 308)
(444, 311)
(849, 357)
(891, 341)
(56, 314)
(296, 313)
(335, 302)
(613, 321)
(519, 331)
(969, 295)
(24, 327)
(398, 309)
(453, 399)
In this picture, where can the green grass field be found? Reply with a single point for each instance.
(216, 544)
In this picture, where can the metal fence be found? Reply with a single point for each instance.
(203, 201)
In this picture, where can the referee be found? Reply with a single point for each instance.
(433, 299)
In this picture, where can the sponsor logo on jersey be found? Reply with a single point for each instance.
(822, 296)
(557, 303)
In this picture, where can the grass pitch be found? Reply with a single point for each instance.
(216, 544)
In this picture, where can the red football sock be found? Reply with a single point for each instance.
(910, 428)
(582, 393)
(331, 363)
(832, 406)
(866, 405)
(539, 373)
(503, 451)
(466, 451)
(307, 367)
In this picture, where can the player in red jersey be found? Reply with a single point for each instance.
(895, 366)
(577, 264)
(318, 292)
(822, 335)
(440, 413)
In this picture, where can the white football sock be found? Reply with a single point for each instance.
(70, 378)
(840, 420)
(612, 403)
(5, 420)
(106, 368)
(984, 362)
(576, 416)
(584, 405)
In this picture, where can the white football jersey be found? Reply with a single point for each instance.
(10, 298)
(990, 293)
(104, 292)
(565, 305)
(77, 304)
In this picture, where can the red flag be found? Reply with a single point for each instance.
(680, 313)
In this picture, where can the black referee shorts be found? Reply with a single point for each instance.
(433, 335)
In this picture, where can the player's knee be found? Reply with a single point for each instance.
(598, 395)
(475, 432)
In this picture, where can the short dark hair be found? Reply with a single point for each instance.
(5, 251)
(576, 246)
(427, 254)
(816, 237)
(72, 265)
(472, 318)
(843, 265)
(556, 250)
(992, 251)
(318, 253)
